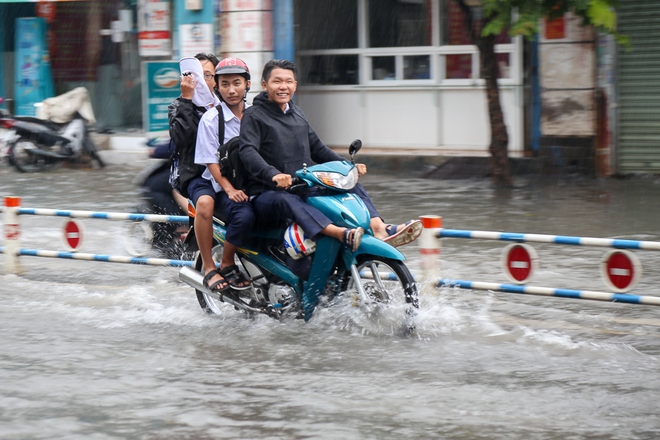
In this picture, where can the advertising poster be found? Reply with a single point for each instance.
(196, 38)
(160, 86)
(34, 82)
(154, 38)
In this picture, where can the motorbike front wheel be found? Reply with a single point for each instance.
(387, 282)
(23, 156)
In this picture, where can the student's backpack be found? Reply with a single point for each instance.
(230, 162)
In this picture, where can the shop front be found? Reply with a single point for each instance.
(401, 74)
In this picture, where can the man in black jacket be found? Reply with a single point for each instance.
(275, 141)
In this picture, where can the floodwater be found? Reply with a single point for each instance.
(93, 350)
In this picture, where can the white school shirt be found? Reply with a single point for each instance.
(206, 148)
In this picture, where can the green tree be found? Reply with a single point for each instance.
(521, 17)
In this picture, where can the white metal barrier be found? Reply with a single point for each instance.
(12, 248)
(619, 268)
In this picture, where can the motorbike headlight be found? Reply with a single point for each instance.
(338, 180)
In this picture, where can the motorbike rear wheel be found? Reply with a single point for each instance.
(93, 152)
(22, 156)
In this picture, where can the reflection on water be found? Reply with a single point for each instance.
(102, 350)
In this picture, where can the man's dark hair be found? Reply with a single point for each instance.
(208, 57)
(278, 64)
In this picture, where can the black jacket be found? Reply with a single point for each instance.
(274, 142)
(184, 117)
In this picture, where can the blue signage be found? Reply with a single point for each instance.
(160, 86)
(34, 82)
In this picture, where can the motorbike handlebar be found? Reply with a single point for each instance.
(297, 185)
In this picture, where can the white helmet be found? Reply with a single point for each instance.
(297, 244)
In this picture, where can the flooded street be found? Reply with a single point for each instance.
(94, 350)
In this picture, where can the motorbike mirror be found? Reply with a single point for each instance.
(355, 147)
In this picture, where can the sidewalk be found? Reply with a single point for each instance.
(129, 149)
(123, 148)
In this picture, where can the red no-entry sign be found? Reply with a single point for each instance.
(620, 270)
(519, 262)
(73, 235)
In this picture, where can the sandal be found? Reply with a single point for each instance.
(214, 287)
(411, 230)
(353, 238)
(235, 278)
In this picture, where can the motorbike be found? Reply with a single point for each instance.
(5, 134)
(35, 144)
(374, 276)
(156, 197)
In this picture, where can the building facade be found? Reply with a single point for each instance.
(401, 74)
(398, 74)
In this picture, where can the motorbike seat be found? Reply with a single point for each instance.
(39, 132)
(42, 122)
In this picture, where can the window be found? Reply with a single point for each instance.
(458, 66)
(392, 42)
(383, 68)
(399, 23)
(328, 69)
(326, 24)
(417, 67)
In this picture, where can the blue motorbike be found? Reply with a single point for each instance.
(375, 275)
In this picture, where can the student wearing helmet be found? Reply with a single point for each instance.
(232, 76)
(275, 141)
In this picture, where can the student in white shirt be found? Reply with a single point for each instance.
(233, 82)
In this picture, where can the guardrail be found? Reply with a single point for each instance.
(619, 268)
(73, 236)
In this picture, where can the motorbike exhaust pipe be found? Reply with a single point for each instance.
(196, 280)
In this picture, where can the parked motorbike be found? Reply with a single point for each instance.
(157, 198)
(5, 134)
(373, 276)
(35, 144)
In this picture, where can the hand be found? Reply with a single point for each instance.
(187, 86)
(282, 180)
(361, 168)
(237, 195)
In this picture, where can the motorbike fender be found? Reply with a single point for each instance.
(371, 245)
(344, 209)
(272, 266)
(323, 265)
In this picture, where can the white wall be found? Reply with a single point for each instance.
(449, 120)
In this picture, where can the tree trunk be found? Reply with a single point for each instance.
(499, 139)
